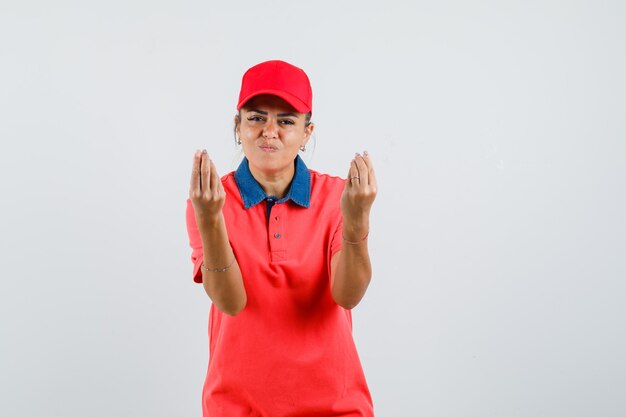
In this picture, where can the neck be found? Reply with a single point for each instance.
(274, 183)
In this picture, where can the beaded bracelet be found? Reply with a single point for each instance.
(218, 269)
(356, 242)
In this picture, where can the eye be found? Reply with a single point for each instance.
(255, 118)
(287, 122)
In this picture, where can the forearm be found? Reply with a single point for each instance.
(226, 288)
(352, 274)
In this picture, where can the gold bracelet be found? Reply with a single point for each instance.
(218, 269)
(358, 241)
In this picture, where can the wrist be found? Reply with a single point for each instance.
(352, 241)
(209, 220)
(355, 232)
(356, 229)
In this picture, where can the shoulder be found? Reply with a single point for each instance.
(228, 180)
(325, 187)
(326, 181)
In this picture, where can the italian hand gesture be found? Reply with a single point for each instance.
(358, 197)
(206, 191)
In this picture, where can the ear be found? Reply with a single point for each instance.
(237, 121)
(308, 131)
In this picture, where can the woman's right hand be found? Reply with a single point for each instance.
(206, 191)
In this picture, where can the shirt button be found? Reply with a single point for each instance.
(277, 235)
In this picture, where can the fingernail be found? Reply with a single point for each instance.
(204, 151)
(356, 155)
(365, 153)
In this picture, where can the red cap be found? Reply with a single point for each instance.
(277, 78)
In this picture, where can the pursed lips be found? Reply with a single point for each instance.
(268, 148)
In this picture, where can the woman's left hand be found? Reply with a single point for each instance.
(358, 197)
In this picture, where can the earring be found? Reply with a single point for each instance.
(238, 141)
(302, 148)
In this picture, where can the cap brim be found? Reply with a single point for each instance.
(295, 102)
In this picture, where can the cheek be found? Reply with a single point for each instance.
(248, 132)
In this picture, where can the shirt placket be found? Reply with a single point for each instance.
(276, 233)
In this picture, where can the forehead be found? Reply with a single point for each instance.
(269, 102)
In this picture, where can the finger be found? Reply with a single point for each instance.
(353, 174)
(215, 179)
(368, 161)
(205, 172)
(363, 169)
(194, 186)
(370, 166)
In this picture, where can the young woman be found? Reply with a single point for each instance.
(282, 253)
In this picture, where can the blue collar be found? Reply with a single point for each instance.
(252, 194)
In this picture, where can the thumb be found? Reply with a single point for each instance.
(347, 185)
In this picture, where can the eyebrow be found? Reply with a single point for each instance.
(264, 113)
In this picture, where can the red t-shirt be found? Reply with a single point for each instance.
(290, 352)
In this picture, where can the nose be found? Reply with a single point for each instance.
(270, 130)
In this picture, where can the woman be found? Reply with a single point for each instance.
(281, 251)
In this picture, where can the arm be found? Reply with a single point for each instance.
(351, 269)
(225, 288)
(351, 273)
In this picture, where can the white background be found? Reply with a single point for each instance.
(498, 237)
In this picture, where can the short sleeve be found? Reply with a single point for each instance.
(197, 255)
(336, 241)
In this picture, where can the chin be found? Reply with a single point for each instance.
(270, 164)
